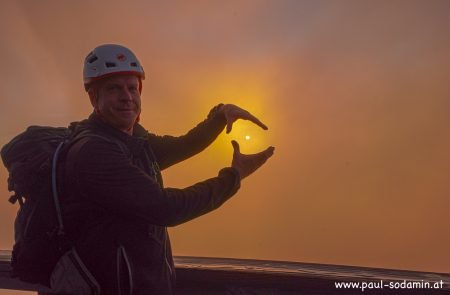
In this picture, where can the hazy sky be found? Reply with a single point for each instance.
(355, 94)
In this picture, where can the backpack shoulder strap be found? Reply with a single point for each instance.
(79, 140)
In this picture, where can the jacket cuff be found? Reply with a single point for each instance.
(232, 174)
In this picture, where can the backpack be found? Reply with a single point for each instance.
(31, 159)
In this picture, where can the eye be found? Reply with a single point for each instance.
(113, 87)
(133, 88)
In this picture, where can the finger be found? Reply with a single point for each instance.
(256, 121)
(269, 151)
(260, 159)
(265, 155)
(236, 146)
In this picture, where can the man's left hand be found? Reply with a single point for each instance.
(232, 113)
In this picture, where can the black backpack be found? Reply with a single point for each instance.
(31, 159)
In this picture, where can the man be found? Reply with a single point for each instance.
(115, 207)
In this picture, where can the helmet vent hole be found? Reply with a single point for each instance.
(92, 58)
(110, 64)
(133, 64)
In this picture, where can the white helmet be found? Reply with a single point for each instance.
(110, 59)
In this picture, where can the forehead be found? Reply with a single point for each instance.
(121, 79)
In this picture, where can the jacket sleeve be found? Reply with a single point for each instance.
(107, 177)
(170, 150)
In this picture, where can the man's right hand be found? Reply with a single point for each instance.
(247, 164)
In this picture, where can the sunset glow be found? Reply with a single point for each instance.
(355, 95)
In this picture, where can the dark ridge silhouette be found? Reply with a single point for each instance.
(206, 275)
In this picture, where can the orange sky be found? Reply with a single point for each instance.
(355, 95)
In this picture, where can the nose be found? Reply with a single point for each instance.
(126, 95)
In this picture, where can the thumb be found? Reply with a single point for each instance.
(236, 146)
(229, 126)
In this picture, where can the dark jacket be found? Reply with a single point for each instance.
(116, 209)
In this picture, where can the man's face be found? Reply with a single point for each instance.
(118, 101)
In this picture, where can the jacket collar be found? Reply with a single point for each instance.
(134, 142)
